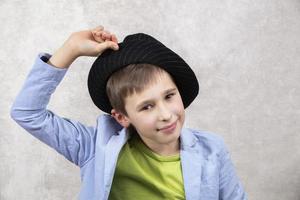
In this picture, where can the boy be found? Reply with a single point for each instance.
(140, 150)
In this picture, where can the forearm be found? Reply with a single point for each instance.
(37, 89)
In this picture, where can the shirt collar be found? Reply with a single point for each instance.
(187, 138)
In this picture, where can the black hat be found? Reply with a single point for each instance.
(140, 48)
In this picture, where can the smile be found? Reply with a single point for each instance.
(169, 128)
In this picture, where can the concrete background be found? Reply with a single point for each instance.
(246, 55)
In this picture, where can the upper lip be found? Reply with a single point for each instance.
(168, 126)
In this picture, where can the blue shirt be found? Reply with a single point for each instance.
(208, 172)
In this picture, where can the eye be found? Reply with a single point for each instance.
(170, 95)
(147, 107)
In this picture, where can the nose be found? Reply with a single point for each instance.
(164, 113)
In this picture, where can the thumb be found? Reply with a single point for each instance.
(108, 45)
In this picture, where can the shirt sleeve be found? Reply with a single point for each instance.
(70, 138)
(230, 185)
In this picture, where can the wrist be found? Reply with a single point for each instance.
(63, 57)
(70, 48)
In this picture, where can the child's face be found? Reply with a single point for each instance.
(158, 106)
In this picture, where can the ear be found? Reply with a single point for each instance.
(121, 118)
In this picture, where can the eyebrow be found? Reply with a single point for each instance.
(151, 100)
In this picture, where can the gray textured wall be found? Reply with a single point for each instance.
(246, 55)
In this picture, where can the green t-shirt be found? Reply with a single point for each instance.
(142, 174)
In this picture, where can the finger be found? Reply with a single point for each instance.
(97, 32)
(106, 32)
(108, 45)
(114, 38)
(97, 36)
(106, 35)
(98, 28)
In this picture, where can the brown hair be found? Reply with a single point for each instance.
(131, 79)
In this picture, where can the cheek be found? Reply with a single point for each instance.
(150, 122)
(178, 106)
(178, 109)
(145, 122)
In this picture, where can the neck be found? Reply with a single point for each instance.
(163, 149)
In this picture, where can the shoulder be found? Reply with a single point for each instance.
(107, 126)
(205, 138)
(108, 123)
(206, 142)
